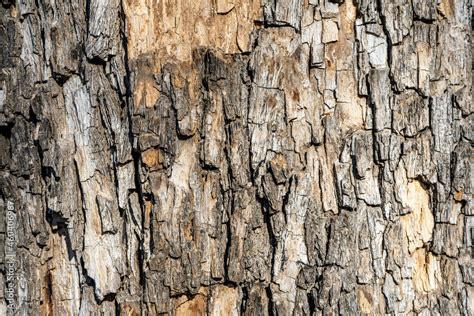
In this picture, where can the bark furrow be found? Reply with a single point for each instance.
(236, 157)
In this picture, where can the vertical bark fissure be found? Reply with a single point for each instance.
(231, 157)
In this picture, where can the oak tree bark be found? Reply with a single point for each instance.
(255, 157)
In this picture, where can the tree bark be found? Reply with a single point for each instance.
(289, 157)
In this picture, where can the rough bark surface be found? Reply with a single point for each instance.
(224, 157)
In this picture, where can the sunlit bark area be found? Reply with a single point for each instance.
(237, 157)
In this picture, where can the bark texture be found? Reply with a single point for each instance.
(224, 157)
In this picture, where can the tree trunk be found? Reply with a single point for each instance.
(255, 157)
